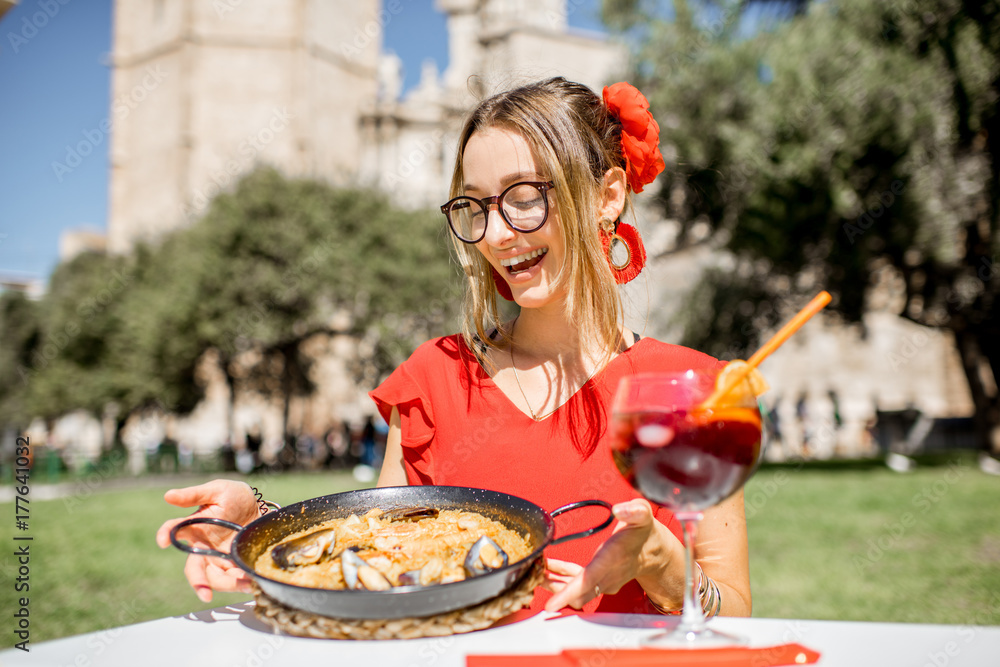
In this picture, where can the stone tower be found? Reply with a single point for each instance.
(410, 140)
(507, 42)
(205, 91)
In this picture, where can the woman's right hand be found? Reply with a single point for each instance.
(221, 499)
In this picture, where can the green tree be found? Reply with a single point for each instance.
(71, 363)
(851, 145)
(20, 333)
(271, 264)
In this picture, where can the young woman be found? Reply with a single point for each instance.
(543, 178)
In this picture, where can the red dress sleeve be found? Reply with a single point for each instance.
(402, 391)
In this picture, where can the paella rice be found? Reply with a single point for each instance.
(420, 547)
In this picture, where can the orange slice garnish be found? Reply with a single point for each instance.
(728, 413)
(745, 392)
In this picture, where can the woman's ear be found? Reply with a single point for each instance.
(613, 194)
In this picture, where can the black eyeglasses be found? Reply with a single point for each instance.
(523, 206)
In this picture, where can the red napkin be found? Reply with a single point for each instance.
(555, 660)
(771, 656)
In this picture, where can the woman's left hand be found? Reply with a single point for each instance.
(559, 573)
(638, 540)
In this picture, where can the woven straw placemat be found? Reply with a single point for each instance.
(483, 615)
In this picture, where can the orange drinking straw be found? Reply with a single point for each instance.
(818, 303)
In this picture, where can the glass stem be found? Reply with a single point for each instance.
(692, 618)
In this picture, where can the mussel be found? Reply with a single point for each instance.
(411, 578)
(305, 550)
(359, 575)
(484, 556)
(429, 574)
(411, 514)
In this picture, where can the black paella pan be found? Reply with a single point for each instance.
(401, 601)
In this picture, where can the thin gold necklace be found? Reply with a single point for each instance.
(513, 367)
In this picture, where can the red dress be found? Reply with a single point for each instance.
(460, 429)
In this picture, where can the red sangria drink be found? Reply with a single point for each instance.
(688, 441)
(687, 459)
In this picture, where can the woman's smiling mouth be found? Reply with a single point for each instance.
(524, 261)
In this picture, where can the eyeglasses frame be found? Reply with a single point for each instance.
(486, 202)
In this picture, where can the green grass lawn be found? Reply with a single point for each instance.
(858, 543)
(874, 545)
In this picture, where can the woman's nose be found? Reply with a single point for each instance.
(498, 233)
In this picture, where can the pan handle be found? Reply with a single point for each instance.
(589, 531)
(198, 550)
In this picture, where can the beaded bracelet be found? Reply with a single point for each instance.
(708, 591)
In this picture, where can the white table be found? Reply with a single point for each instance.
(229, 636)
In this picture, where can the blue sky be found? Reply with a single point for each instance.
(56, 89)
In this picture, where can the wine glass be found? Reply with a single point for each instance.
(680, 453)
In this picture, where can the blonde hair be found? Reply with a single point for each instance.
(574, 142)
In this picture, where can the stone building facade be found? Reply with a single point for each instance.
(203, 92)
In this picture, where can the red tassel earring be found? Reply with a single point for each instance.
(623, 237)
(502, 287)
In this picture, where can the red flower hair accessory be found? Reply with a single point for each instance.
(640, 134)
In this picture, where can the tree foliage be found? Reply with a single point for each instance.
(852, 145)
(71, 364)
(20, 331)
(270, 264)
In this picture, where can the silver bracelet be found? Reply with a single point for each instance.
(708, 592)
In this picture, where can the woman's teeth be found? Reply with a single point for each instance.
(525, 261)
